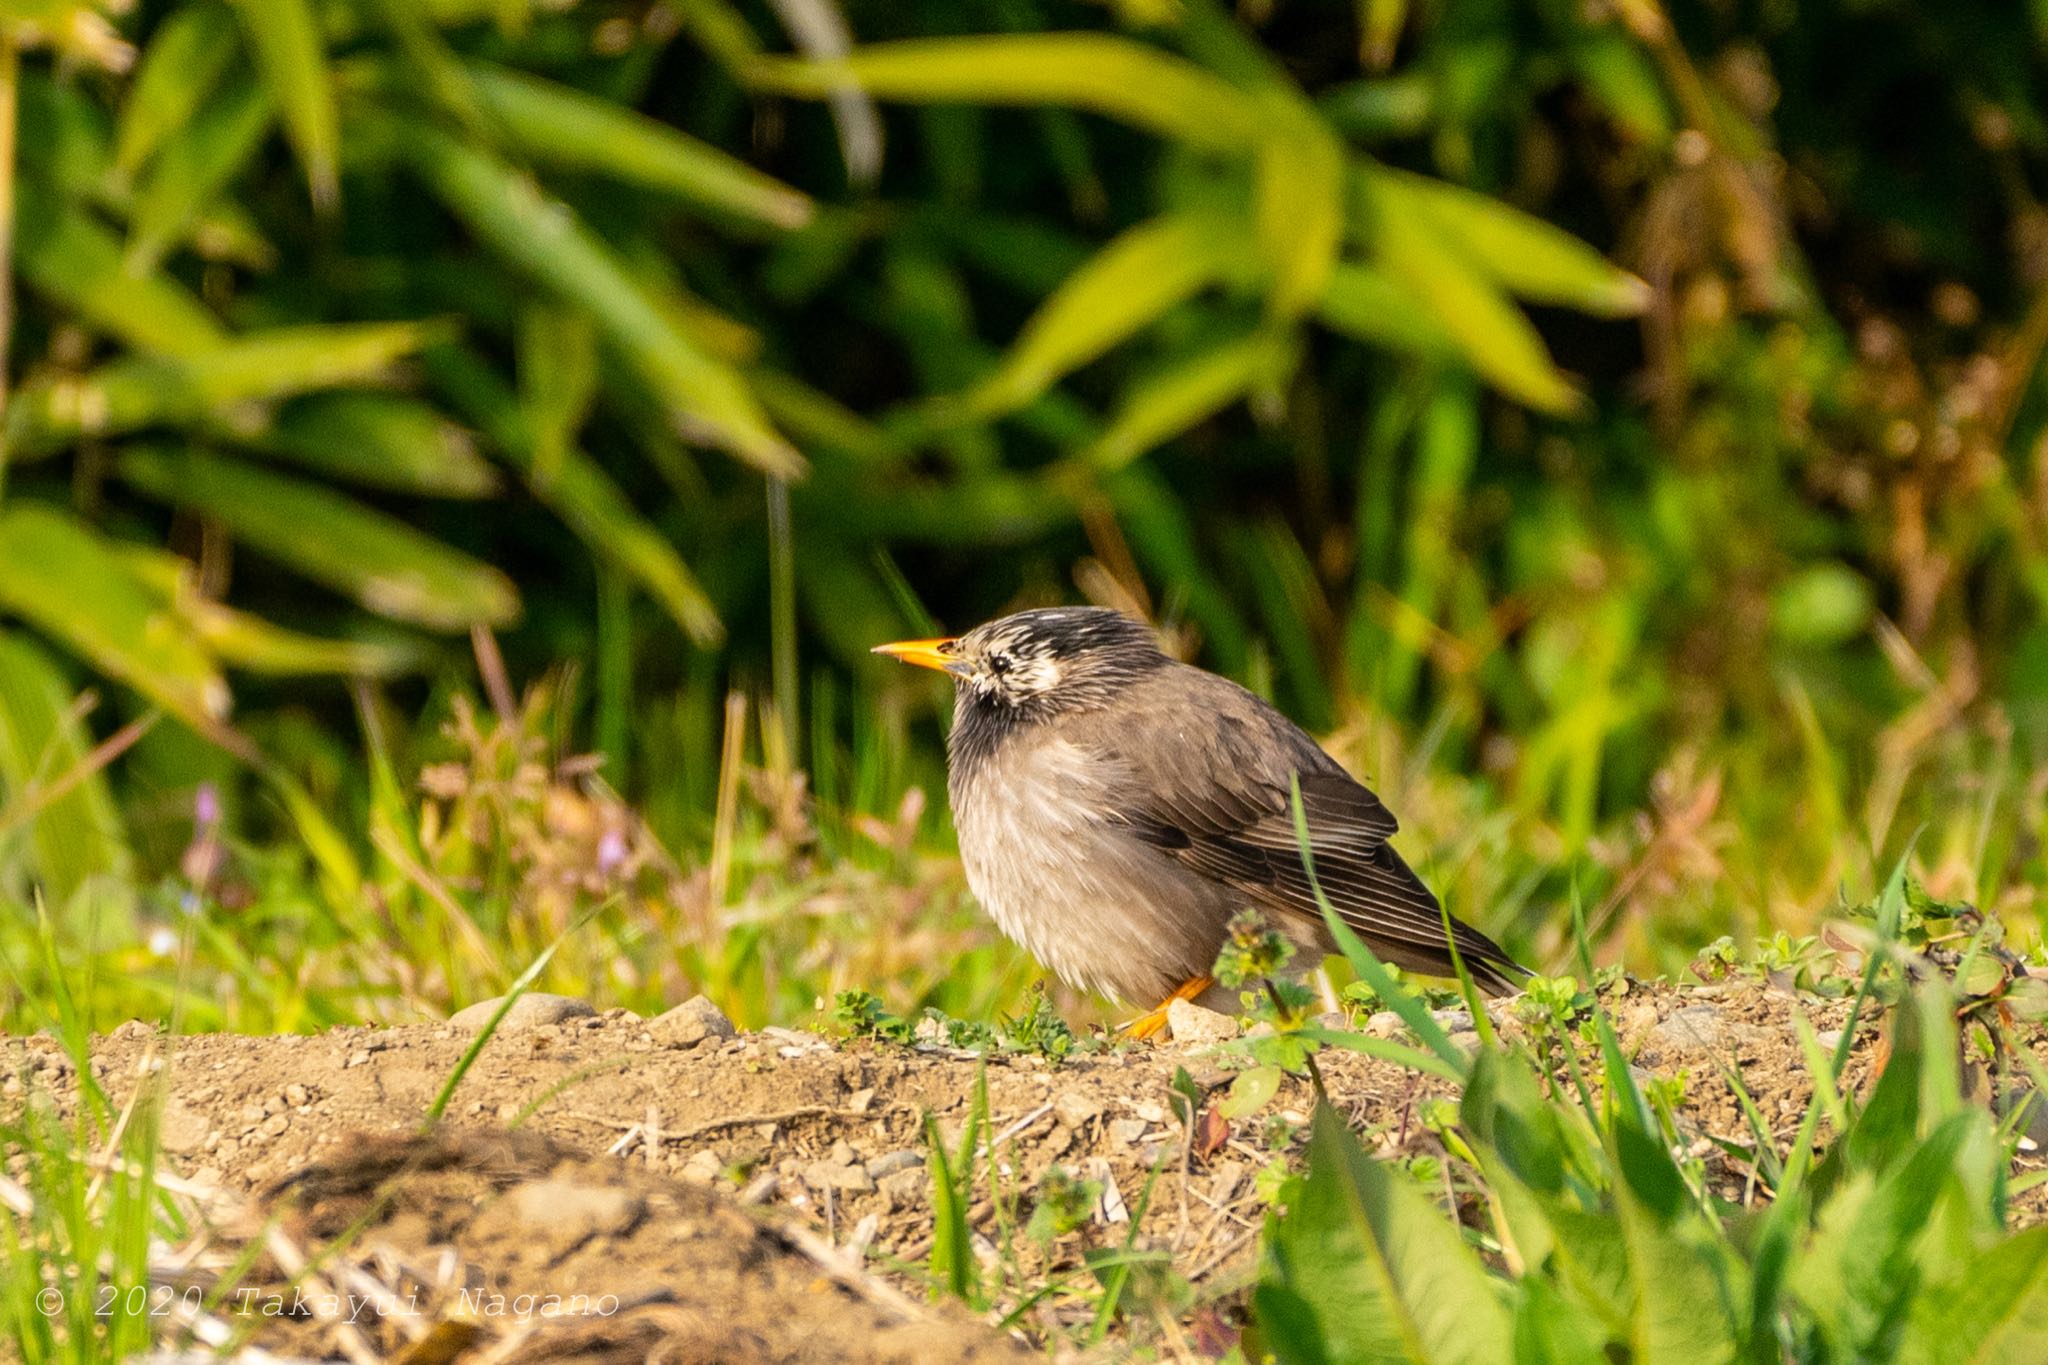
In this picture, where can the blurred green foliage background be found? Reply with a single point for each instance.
(457, 456)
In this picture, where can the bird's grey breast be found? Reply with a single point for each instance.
(1049, 862)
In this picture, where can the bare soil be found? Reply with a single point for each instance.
(765, 1197)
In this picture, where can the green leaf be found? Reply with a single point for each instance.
(545, 240)
(368, 555)
(128, 394)
(1368, 304)
(1523, 254)
(557, 380)
(250, 642)
(1124, 287)
(69, 256)
(584, 496)
(1114, 76)
(1250, 1091)
(43, 740)
(580, 493)
(1490, 332)
(1682, 1312)
(1365, 1267)
(1191, 390)
(178, 74)
(1299, 205)
(195, 164)
(379, 440)
(1996, 1313)
(286, 37)
(1823, 604)
(556, 125)
(59, 576)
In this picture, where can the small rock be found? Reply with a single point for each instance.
(182, 1128)
(821, 1175)
(1696, 1028)
(360, 1057)
(1150, 1111)
(1075, 1108)
(1829, 1039)
(1383, 1024)
(529, 1011)
(296, 1095)
(1197, 1027)
(905, 1189)
(889, 1163)
(1124, 1132)
(275, 1126)
(703, 1168)
(577, 1211)
(861, 1100)
(1453, 1020)
(843, 1153)
(690, 1023)
(793, 1037)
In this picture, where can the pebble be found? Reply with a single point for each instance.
(690, 1023)
(1124, 1132)
(821, 1175)
(530, 1011)
(577, 1210)
(1195, 1026)
(275, 1126)
(1695, 1028)
(703, 1168)
(297, 1095)
(905, 1189)
(889, 1163)
(1075, 1108)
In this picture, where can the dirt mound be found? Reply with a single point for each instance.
(765, 1196)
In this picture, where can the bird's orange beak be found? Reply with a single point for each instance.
(923, 653)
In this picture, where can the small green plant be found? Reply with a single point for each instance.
(1601, 1238)
(1038, 1030)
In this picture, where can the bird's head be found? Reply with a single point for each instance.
(1040, 662)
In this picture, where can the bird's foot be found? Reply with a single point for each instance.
(1151, 1022)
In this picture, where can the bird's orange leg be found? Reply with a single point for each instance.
(1152, 1021)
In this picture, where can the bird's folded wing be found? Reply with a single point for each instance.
(1218, 798)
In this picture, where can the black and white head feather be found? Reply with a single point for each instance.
(1034, 665)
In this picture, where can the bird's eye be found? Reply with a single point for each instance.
(999, 664)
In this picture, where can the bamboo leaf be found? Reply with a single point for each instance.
(69, 256)
(178, 74)
(365, 554)
(286, 37)
(1300, 205)
(1524, 255)
(555, 125)
(1366, 303)
(545, 240)
(59, 576)
(557, 380)
(1490, 332)
(43, 740)
(250, 642)
(1109, 75)
(1123, 288)
(1190, 391)
(193, 167)
(256, 367)
(379, 440)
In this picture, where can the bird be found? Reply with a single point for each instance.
(1116, 808)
